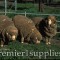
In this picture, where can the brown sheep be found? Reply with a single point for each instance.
(46, 26)
(27, 29)
(8, 31)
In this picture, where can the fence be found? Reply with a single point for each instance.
(5, 5)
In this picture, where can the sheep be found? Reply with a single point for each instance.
(46, 26)
(8, 31)
(27, 29)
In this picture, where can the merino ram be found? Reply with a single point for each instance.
(27, 29)
(7, 30)
(47, 27)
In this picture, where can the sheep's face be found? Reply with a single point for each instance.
(36, 36)
(12, 35)
(35, 40)
(51, 21)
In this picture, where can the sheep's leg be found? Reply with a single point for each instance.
(22, 40)
(47, 41)
(3, 38)
(2, 43)
(28, 37)
(3, 35)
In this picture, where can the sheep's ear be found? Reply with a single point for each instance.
(49, 21)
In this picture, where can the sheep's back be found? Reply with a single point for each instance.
(23, 23)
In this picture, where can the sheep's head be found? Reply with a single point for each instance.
(36, 36)
(52, 20)
(12, 33)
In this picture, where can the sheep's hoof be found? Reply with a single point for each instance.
(22, 42)
(2, 45)
(49, 42)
